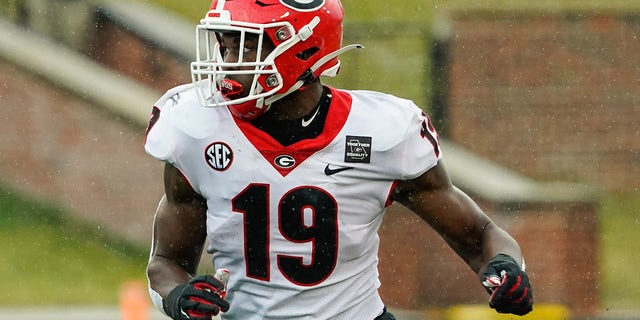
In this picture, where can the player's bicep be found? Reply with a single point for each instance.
(180, 222)
(449, 211)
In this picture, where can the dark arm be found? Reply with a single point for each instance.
(457, 218)
(179, 233)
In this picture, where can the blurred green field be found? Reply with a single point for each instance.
(619, 250)
(49, 258)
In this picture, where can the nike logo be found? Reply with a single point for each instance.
(306, 123)
(328, 170)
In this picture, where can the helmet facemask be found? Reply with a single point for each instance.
(304, 44)
(214, 76)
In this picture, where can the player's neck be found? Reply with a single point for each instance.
(298, 104)
(288, 132)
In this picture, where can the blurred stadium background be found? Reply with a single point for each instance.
(72, 238)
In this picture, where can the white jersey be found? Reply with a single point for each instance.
(296, 225)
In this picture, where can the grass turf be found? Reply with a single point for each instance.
(48, 258)
(619, 248)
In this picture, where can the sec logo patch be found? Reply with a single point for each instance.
(219, 156)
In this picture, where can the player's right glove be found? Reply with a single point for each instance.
(200, 299)
(509, 286)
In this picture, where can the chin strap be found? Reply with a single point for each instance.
(310, 74)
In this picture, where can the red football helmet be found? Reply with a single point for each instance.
(307, 38)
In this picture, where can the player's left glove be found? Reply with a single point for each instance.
(200, 299)
(509, 286)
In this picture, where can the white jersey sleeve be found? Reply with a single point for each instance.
(178, 118)
(406, 141)
(160, 142)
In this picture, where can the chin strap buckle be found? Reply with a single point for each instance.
(307, 77)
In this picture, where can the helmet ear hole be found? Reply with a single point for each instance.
(306, 54)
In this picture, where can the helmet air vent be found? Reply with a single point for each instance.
(306, 54)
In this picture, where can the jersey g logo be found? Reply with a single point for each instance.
(218, 156)
(303, 5)
(284, 161)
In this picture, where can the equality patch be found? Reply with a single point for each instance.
(357, 149)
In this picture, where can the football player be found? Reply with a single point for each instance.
(289, 179)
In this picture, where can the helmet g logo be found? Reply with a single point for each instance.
(303, 5)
